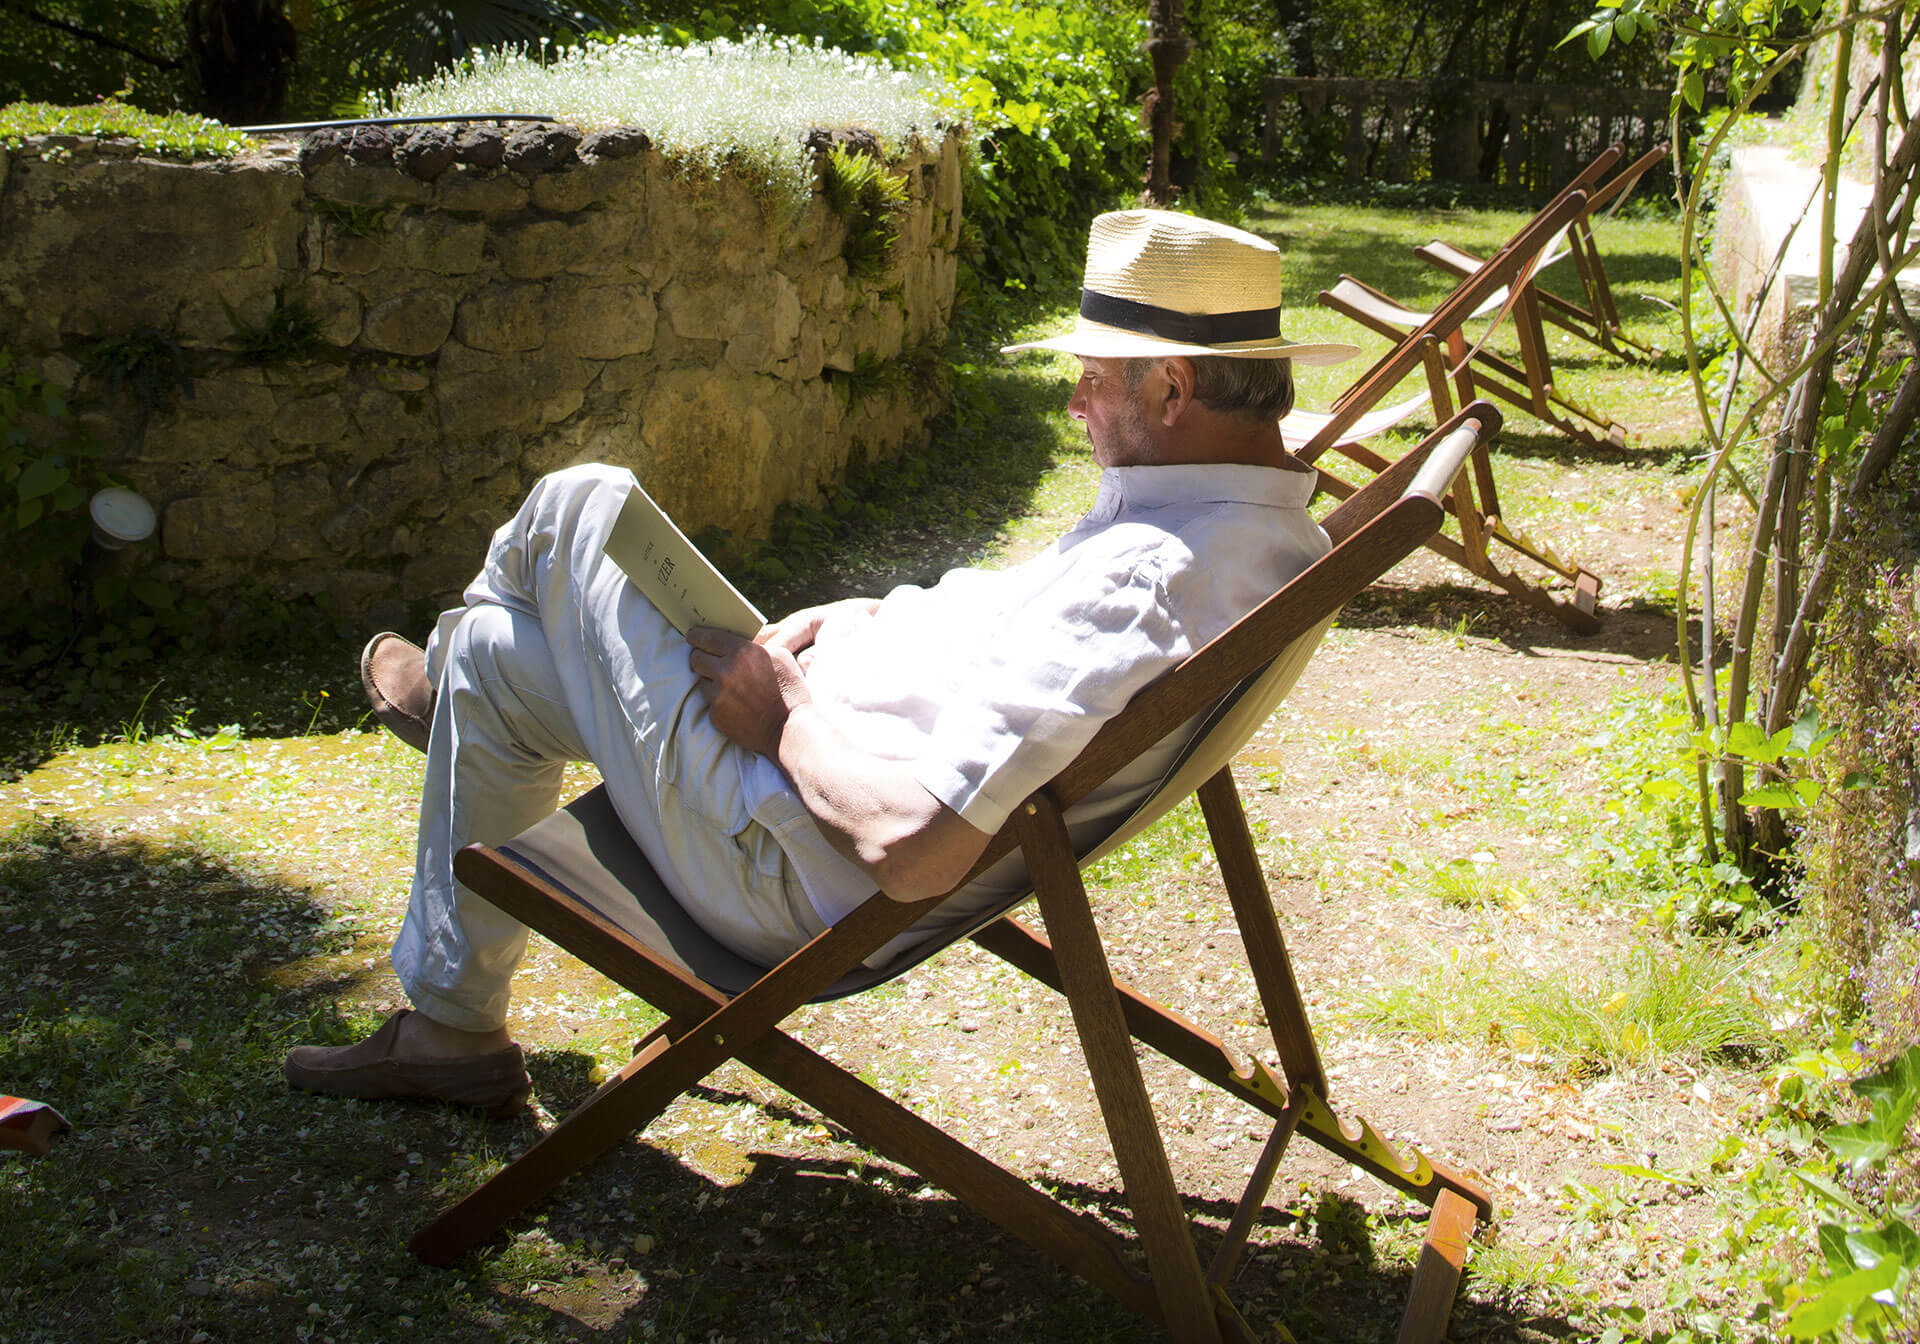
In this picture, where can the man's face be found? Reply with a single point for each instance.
(1114, 414)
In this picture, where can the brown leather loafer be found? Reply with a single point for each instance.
(394, 675)
(496, 1082)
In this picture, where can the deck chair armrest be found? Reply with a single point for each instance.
(1397, 482)
(1435, 477)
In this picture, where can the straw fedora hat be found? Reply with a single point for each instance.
(1163, 283)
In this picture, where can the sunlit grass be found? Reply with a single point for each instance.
(1695, 1002)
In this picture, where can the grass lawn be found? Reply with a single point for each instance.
(203, 864)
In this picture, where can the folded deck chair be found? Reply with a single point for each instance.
(719, 1007)
(1528, 385)
(1598, 322)
(1437, 344)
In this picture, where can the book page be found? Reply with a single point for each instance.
(673, 574)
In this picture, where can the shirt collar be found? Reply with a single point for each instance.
(1208, 483)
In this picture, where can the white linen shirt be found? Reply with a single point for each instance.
(988, 683)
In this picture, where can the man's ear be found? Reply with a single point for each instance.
(1179, 374)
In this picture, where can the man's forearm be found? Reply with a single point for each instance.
(875, 812)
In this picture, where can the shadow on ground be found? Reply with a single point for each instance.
(151, 993)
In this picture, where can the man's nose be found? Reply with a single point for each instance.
(1077, 405)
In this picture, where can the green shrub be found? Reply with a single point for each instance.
(176, 134)
(744, 106)
(869, 196)
(1051, 92)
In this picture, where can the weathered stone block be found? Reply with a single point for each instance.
(565, 191)
(233, 520)
(472, 403)
(336, 309)
(437, 577)
(534, 251)
(608, 321)
(312, 420)
(476, 191)
(228, 303)
(346, 253)
(412, 324)
(442, 245)
(393, 419)
(505, 318)
(348, 183)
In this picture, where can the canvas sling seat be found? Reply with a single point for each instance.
(718, 1006)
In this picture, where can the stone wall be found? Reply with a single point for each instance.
(388, 339)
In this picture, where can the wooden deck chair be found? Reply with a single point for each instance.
(1529, 384)
(720, 1007)
(1598, 322)
(1437, 345)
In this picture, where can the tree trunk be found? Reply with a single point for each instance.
(242, 53)
(1168, 47)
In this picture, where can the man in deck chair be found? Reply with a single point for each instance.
(775, 783)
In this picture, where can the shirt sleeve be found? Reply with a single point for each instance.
(1056, 673)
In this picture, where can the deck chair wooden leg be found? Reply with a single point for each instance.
(1186, 1303)
(672, 1063)
(617, 1109)
(1443, 1255)
(1579, 614)
(1248, 1079)
(1254, 1198)
(1267, 957)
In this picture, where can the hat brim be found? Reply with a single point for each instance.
(1101, 342)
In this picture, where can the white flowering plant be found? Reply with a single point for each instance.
(745, 105)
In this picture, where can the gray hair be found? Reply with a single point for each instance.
(1248, 389)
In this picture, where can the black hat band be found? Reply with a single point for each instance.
(1257, 324)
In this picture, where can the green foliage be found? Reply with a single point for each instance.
(1050, 92)
(356, 221)
(869, 196)
(46, 477)
(1732, 47)
(1654, 845)
(145, 363)
(132, 49)
(1692, 1002)
(415, 38)
(1819, 1232)
(175, 134)
(288, 333)
(50, 468)
(1859, 861)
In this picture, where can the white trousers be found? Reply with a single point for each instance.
(556, 657)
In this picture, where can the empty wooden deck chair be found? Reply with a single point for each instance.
(1438, 345)
(1529, 384)
(1598, 322)
(719, 1007)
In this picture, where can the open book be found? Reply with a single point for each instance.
(673, 574)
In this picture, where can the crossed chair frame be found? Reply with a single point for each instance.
(555, 878)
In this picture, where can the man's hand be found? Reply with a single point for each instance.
(750, 686)
(797, 632)
(872, 810)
